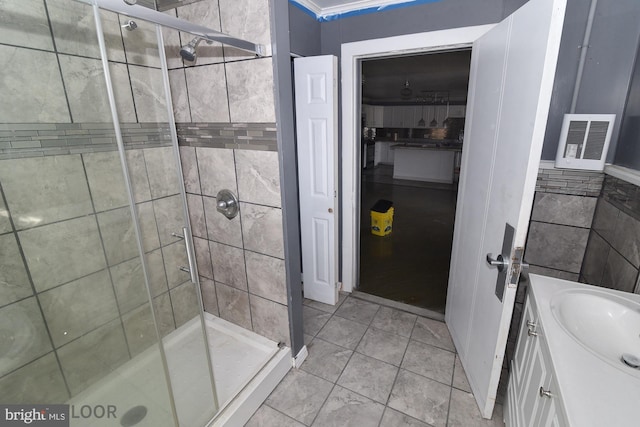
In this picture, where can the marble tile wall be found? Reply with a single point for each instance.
(612, 258)
(225, 84)
(240, 261)
(57, 142)
(227, 135)
(71, 281)
(561, 220)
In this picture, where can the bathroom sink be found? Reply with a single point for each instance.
(605, 324)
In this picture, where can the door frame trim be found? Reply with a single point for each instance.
(351, 54)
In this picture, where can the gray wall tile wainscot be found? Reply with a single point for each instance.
(564, 209)
(556, 246)
(619, 273)
(613, 252)
(561, 219)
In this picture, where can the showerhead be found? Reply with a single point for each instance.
(188, 51)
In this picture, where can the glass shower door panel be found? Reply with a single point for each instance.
(160, 199)
(73, 303)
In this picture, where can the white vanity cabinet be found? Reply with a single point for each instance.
(533, 395)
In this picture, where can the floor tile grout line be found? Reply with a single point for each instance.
(277, 410)
(449, 406)
(335, 383)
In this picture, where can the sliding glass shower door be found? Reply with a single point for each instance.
(98, 309)
(150, 146)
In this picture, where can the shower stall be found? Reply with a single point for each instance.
(100, 301)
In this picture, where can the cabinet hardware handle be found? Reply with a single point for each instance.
(545, 393)
(531, 324)
(532, 333)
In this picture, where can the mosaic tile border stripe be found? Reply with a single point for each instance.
(19, 140)
(573, 182)
(53, 139)
(243, 136)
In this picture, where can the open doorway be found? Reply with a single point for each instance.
(412, 127)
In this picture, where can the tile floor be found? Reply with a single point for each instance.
(371, 365)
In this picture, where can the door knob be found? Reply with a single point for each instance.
(499, 262)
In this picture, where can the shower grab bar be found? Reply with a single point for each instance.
(150, 15)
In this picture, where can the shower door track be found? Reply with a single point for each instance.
(150, 15)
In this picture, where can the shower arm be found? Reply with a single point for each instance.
(153, 16)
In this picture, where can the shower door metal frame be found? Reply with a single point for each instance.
(159, 18)
(132, 204)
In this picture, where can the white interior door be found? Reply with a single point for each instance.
(316, 94)
(512, 72)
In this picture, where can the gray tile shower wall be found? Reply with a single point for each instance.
(612, 259)
(72, 281)
(242, 266)
(227, 134)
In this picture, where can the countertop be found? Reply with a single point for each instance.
(423, 144)
(593, 391)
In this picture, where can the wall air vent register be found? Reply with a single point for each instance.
(584, 141)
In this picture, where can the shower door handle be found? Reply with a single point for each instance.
(188, 242)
